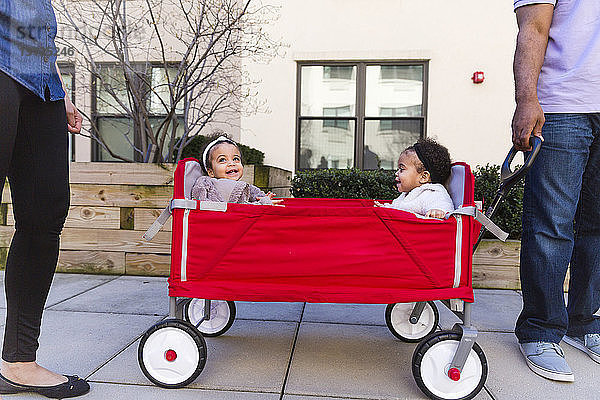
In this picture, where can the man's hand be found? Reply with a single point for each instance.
(528, 119)
(74, 118)
(534, 22)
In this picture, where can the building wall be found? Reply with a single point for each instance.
(457, 37)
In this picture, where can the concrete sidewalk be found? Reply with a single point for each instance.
(289, 351)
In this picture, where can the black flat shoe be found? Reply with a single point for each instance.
(75, 386)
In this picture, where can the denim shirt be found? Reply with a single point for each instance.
(27, 49)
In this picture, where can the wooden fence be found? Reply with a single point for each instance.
(112, 204)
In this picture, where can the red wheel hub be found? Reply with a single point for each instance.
(170, 355)
(454, 374)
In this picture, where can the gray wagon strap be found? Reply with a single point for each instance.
(165, 214)
(181, 203)
(483, 220)
(157, 224)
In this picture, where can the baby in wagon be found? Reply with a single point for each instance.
(222, 161)
(422, 170)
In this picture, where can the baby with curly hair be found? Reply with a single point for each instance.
(422, 170)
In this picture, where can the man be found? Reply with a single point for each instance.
(557, 90)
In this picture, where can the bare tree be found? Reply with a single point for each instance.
(169, 67)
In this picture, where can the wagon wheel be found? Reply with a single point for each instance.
(397, 319)
(172, 353)
(222, 315)
(433, 375)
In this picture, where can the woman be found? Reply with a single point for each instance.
(34, 115)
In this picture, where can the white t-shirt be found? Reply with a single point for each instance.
(430, 196)
(570, 78)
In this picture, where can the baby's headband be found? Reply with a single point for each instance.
(435, 176)
(213, 144)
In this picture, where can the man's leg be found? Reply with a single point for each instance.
(584, 286)
(550, 201)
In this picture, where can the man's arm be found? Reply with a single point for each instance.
(534, 24)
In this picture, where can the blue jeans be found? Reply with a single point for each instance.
(561, 225)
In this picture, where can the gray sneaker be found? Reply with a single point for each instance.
(589, 343)
(548, 360)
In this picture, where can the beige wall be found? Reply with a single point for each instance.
(458, 37)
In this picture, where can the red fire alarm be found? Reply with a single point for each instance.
(477, 77)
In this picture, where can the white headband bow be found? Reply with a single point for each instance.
(213, 144)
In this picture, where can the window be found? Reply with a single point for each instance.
(359, 114)
(339, 72)
(336, 112)
(114, 125)
(67, 74)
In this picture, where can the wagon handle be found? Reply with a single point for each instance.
(508, 177)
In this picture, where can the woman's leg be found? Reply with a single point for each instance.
(38, 175)
(10, 102)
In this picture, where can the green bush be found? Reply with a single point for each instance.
(195, 147)
(380, 184)
(345, 184)
(508, 214)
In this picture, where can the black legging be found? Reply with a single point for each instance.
(33, 154)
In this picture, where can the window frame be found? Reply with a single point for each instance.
(361, 91)
(69, 68)
(96, 147)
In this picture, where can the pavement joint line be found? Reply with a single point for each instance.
(187, 387)
(489, 392)
(341, 323)
(289, 366)
(321, 396)
(135, 339)
(266, 320)
(496, 331)
(113, 313)
(85, 291)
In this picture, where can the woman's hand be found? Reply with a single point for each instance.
(74, 118)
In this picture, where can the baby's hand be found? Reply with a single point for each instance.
(377, 204)
(435, 213)
(275, 202)
(270, 195)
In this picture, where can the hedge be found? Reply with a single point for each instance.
(380, 184)
(508, 215)
(250, 156)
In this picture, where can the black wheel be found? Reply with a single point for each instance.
(172, 354)
(222, 315)
(431, 368)
(181, 302)
(397, 319)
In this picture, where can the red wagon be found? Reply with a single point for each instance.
(321, 250)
